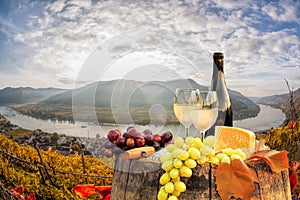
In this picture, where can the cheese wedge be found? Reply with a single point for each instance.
(232, 137)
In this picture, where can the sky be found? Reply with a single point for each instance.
(70, 43)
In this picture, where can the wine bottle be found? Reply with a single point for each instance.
(218, 84)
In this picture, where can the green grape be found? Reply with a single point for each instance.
(240, 153)
(173, 197)
(162, 195)
(174, 173)
(184, 155)
(205, 150)
(184, 171)
(178, 141)
(201, 160)
(165, 178)
(177, 152)
(176, 192)
(214, 160)
(180, 186)
(226, 159)
(167, 165)
(190, 163)
(197, 143)
(194, 153)
(211, 154)
(169, 187)
(220, 156)
(189, 141)
(177, 163)
(228, 151)
(210, 141)
(235, 156)
(171, 147)
(165, 157)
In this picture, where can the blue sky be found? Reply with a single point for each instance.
(51, 43)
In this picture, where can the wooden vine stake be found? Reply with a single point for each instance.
(293, 123)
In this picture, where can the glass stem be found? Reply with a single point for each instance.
(202, 136)
(186, 131)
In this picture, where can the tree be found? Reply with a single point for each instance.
(76, 147)
(55, 137)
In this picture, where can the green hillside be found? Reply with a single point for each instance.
(125, 98)
(26, 94)
(282, 102)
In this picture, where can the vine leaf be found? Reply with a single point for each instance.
(277, 160)
(90, 190)
(260, 145)
(240, 177)
(104, 190)
(84, 191)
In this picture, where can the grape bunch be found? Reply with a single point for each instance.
(117, 142)
(184, 155)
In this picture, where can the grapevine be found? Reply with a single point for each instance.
(284, 138)
(20, 165)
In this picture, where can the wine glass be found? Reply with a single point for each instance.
(182, 106)
(204, 111)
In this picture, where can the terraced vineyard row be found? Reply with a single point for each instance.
(54, 177)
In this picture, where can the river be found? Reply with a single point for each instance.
(268, 117)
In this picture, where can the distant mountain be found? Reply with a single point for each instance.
(21, 95)
(282, 101)
(120, 93)
(254, 99)
(124, 92)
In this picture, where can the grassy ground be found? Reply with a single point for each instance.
(140, 115)
(20, 132)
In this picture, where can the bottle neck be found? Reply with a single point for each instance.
(218, 74)
(218, 64)
(218, 84)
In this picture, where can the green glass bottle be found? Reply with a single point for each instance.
(218, 84)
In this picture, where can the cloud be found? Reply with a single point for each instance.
(283, 10)
(66, 80)
(58, 37)
(56, 6)
(230, 5)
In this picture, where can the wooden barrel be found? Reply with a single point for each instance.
(139, 179)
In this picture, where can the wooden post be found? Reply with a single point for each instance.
(44, 166)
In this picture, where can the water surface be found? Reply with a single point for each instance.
(268, 117)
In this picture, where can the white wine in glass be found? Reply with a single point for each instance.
(183, 103)
(205, 111)
(182, 114)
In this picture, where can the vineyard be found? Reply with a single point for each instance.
(48, 175)
(285, 138)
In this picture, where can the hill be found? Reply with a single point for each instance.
(122, 93)
(21, 95)
(118, 100)
(282, 101)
